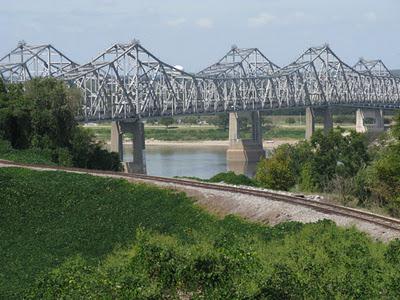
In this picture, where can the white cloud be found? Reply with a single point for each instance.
(370, 16)
(176, 22)
(205, 23)
(262, 19)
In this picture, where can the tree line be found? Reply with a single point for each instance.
(39, 114)
(346, 164)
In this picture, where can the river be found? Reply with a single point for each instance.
(203, 162)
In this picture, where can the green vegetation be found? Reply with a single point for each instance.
(232, 178)
(226, 177)
(167, 121)
(380, 181)
(37, 120)
(341, 164)
(29, 156)
(312, 165)
(103, 133)
(74, 236)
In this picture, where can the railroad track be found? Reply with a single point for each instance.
(327, 208)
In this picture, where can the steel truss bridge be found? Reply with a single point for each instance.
(127, 81)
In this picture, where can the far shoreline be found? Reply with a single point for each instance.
(269, 144)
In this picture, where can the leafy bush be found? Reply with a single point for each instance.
(232, 178)
(167, 121)
(277, 171)
(312, 165)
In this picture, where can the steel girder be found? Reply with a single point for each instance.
(241, 63)
(127, 81)
(320, 78)
(27, 61)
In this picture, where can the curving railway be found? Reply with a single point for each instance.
(326, 208)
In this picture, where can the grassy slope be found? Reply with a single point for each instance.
(49, 217)
(33, 156)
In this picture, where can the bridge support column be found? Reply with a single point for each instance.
(233, 127)
(139, 159)
(256, 127)
(310, 123)
(138, 165)
(241, 150)
(374, 114)
(117, 140)
(328, 120)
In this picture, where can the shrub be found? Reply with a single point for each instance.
(167, 121)
(275, 174)
(232, 178)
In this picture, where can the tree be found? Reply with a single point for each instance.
(15, 116)
(277, 172)
(41, 114)
(167, 121)
(53, 119)
(222, 121)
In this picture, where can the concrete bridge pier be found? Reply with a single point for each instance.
(118, 129)
(328, 120)
(310, 122)
(363, 114)
(241, 150)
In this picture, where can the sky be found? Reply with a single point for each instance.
(196, 33)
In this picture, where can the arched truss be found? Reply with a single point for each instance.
(27, 61)
(241, 63)
(128, 81)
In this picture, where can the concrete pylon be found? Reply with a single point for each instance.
(117, 140)
(118, 128)
(139, 159)
(256, 127)
(310, 123)
(233, 127)
(376, 114)
(328, 120)
(241, 150)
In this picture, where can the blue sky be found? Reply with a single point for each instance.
(196, 33)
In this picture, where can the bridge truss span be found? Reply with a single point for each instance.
(127, 81)
(26, 62)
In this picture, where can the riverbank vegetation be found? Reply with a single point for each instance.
(200, 133)
(37, 124)
(75, 236)
(343, 164)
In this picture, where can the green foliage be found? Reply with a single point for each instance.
(39, 117)
(275, 172)
(196, 134)
(232, 178)
(74, 236)
(290, 120)
(52, 119)
(222, 121)
(30, 156)
(167, 121)
(382, 178)
(313, 165)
